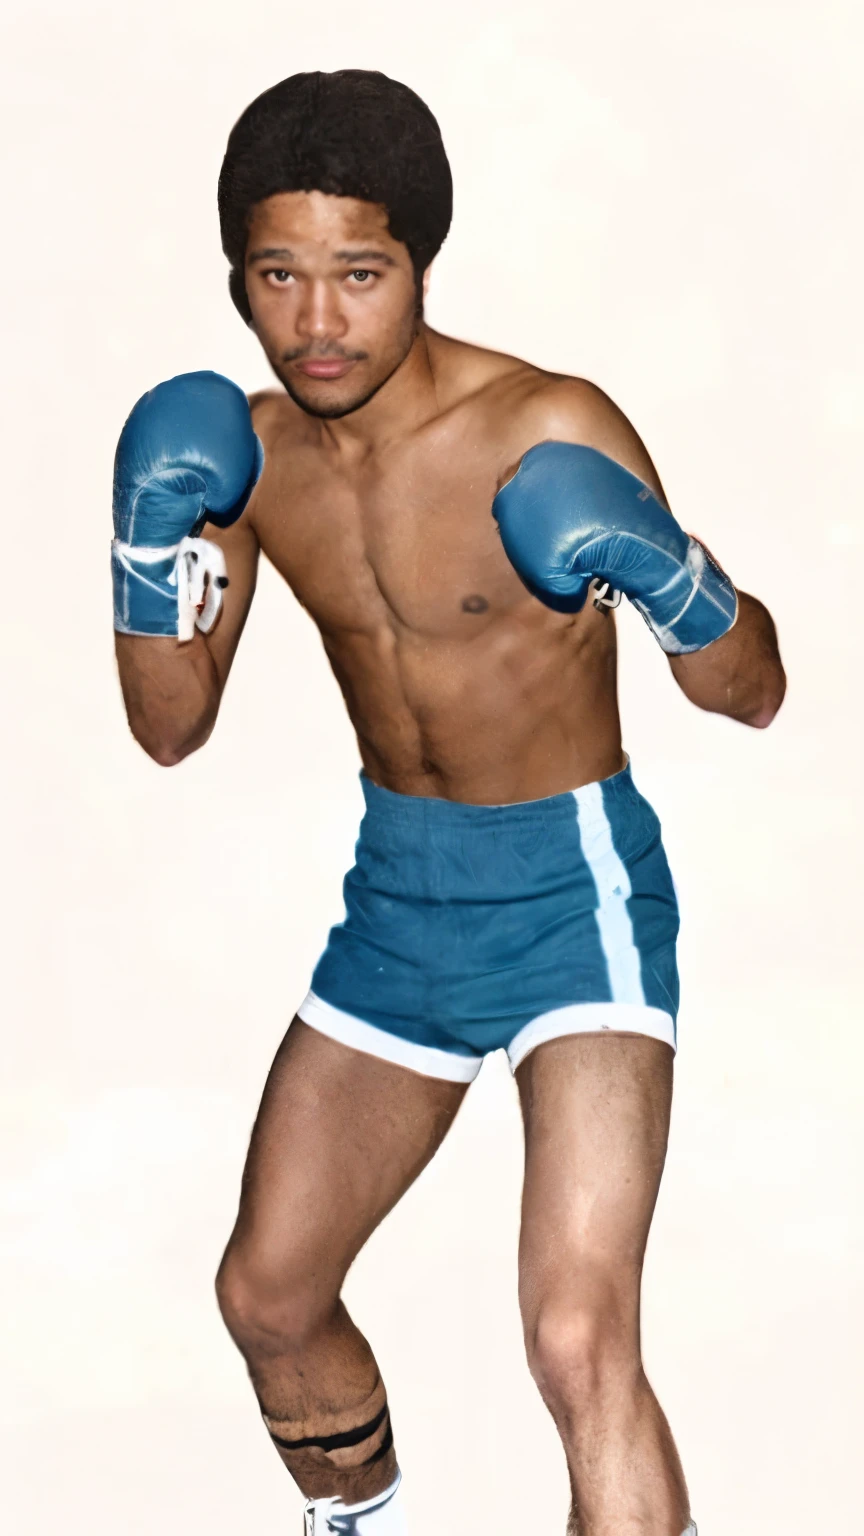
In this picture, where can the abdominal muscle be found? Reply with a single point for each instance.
(525, 709)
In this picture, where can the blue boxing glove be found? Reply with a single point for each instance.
(570, 516)
(186, 456)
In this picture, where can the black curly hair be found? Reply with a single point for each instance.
(353, 133)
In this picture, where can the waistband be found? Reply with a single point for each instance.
(425, 811)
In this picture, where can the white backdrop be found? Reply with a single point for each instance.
(666, 199)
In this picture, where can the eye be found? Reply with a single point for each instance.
(362, 275)
(278, 275)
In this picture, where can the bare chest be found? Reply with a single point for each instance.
(411, 544)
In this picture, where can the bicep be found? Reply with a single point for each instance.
(580, 412)
(240, 546)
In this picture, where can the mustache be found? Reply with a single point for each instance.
(328, 354)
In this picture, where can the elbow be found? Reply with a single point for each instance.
(761, 721)
(769, 705)
(166, 751)
(165, 756)
(169, 719)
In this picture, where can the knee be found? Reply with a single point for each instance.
(271, 1305)
(581, 1349)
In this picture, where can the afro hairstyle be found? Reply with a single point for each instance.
(353, 133)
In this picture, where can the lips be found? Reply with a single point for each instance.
(320, 368)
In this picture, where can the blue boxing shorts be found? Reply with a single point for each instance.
(476, 928)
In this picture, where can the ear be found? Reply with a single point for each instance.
(426, 277)
(239, 296)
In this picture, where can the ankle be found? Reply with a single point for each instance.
(382, 1515)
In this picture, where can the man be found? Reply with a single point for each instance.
(459, 524)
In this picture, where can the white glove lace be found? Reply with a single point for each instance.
(200, 576)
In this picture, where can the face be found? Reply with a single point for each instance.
(333, 297)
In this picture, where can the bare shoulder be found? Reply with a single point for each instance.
(281, 427)
(560, 408)
(467, 374)
(263, 402)
(274, 414)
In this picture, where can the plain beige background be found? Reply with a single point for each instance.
(665, 198)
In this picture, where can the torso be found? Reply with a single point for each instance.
(458, 682)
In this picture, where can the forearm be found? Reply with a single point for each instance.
(171, 692)
(739, 675)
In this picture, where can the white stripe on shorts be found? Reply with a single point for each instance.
(613, 889)
(349, 1030)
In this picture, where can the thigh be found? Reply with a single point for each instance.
(596, 1113)
(339, 1137)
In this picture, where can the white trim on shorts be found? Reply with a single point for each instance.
(574, 1019)
(590, 1019)
(355, 1032)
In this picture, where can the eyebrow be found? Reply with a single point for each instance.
(270, 253)
(281, 253)
(353, 256)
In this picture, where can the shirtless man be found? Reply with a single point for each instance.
(459, 525)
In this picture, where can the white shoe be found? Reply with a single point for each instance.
(381, 1516)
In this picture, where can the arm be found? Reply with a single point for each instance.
(734, 668)
(172, 690)
(188, 459)
(739, 675)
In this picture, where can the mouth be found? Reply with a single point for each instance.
(321, 368)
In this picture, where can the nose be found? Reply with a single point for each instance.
(320, 317)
